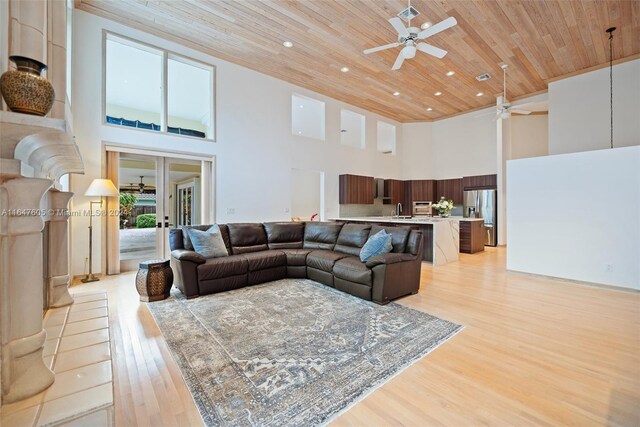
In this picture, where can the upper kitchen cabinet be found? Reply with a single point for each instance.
(356, 190)
(419, 190)
(393, 192)
(479, 182)
(451, 189)
(423, 190)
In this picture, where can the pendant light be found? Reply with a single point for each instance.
(610, 31)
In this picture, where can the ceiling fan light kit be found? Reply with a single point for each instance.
(410, 37)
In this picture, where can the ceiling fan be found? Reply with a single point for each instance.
(504, 107)
(410, 37)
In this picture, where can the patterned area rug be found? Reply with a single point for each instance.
(292, 352)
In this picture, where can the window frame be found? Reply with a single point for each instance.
(165, 54)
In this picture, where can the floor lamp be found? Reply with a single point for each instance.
(101, 188)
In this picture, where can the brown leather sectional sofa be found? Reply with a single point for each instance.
(326, 252)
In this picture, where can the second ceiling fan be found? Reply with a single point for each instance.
(410, 37)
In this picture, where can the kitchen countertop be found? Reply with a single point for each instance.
(405, 220)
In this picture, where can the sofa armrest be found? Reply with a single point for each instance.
(185, 255)
(390, 258)
(185, 271)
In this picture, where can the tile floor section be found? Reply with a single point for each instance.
(78, 351)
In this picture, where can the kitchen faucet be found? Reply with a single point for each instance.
(398, 209)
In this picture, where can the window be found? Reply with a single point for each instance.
(307, 117)
(136, 95)
(352, 129)
(386, 138)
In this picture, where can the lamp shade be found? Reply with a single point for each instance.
(102, 187)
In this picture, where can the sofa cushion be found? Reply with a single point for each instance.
(208, 243)
(353, 270)
(265, 259)
(351, 238)
(324, 260)
(399, 236)
(216, 268)
(296, 257)
(186, 240)
(378, 244)
(281, 235)
(248, 237)
(321, 235)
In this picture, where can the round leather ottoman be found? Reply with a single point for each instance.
(154, 280)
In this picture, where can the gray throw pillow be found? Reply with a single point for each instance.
(208, 243)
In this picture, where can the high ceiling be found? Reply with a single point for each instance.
(539, 40)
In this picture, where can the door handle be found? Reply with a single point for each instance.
(166, 224)
(159, 225)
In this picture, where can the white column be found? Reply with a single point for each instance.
(504, 153)
(24, 372)
(58, 250)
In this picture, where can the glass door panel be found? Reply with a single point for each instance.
(183, 205)
(138, 209)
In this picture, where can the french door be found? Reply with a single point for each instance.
(156, 193)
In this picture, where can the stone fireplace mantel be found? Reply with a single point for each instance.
(34, 153)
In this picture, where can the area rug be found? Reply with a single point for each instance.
(291, 352)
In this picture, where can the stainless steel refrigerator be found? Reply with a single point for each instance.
(483, 204)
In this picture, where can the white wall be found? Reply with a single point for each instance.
(451, 148)
(305, 193)
(571, 215)
(255, 150)
(529, 136)
(579, 115)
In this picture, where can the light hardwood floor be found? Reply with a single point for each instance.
(534, 351)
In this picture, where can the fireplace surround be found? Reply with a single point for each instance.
(35, 152)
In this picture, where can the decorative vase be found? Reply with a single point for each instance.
(444, 214)
(25, 90)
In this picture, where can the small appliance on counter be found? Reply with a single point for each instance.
(422, 209)
(482, 204)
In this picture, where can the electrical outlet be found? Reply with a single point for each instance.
(231, 211)
(608, 268)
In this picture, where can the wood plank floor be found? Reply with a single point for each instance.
(534, 351)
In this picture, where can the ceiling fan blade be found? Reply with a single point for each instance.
(399, 61)
(519, 111)
(399, 26)
(379, 48)
(431, 50)
(435, 29)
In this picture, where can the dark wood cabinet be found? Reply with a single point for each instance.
(394, 190)
(472, 236)
(480, 182)
(418, 190)
(451, 189)
(356, 189)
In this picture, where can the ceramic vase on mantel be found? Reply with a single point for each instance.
(25, 90)
(444, 214)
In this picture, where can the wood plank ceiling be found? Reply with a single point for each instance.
(539, 40)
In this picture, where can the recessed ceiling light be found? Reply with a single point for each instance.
(479, 94)
(450, 73)
(429, 109)
(396, 93)
(438, 93)
(425, 25)
(299, 132)
(301, 106)
(287, 44)
(344, 69)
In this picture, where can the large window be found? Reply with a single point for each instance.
(152, 89)
(307, 117)
(386, 138)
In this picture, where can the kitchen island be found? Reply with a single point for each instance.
(441, 236)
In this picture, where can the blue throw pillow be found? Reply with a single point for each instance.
(208, 243)
(378, 244)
